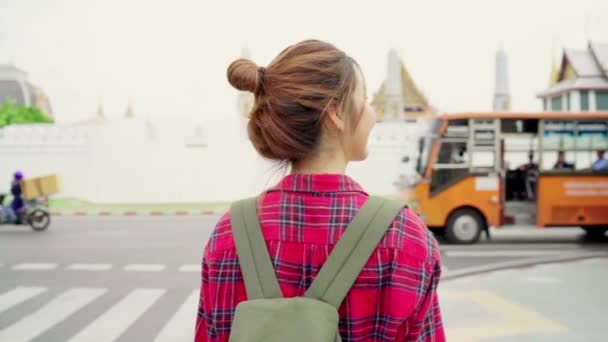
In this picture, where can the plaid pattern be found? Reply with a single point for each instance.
(394, 298)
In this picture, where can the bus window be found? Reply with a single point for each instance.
(426, 144)
(451, 164)
(442, 178)
(559, 135)
(573, 144)
(453, 152)
(529, 126)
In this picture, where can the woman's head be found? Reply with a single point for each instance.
(309, 101)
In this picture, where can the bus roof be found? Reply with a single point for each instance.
(525, 115)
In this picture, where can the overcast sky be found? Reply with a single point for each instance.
(170, 57)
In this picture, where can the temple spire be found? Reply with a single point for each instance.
(129, 112)
(502, 93)
(100, 112)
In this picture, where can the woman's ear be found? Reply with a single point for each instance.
(334, 119)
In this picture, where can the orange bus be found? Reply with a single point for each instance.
(477, 170)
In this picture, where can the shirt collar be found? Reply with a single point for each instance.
(318, 183)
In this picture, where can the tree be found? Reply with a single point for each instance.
(14, 114)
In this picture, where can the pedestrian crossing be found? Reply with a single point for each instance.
(17, 296)
(58, 309)
(115, 321)
(64, 308)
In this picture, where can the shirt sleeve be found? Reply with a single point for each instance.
(203, 312)
(426, 324)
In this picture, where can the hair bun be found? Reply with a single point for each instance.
(244, 75)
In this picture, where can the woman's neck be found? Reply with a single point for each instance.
(334, 164)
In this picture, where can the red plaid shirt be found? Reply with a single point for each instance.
(302, 218)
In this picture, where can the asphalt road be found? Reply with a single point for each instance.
(136, 278)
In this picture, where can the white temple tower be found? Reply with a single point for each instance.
(502, 95)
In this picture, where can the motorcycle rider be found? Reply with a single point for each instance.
(17, 204)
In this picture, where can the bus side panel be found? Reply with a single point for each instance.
(478, 192)
(572, 200)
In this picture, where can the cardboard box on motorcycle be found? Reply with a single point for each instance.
(41, 186)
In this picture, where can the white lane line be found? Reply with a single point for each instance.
(180, 327)
(89, 267)
(514, 246)
(145, 267)
(190, 268)
(507, 253)
(51, 314)
(18, 295)
(111, 324)
(34, 267)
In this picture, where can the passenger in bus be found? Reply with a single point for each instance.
(530, 174)
(459, 155)
(601, 164)
(530, 165)
(561, 162)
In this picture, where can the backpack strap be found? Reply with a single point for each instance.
(256, 266)
(353, 250)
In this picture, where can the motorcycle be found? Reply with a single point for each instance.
(35, 214)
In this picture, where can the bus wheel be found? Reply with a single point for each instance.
(464, 226)
(596, 233)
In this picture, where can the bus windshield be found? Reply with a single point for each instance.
(425, 144)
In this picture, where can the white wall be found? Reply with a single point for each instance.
(131, 160)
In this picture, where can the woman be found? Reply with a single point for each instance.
(311, 114)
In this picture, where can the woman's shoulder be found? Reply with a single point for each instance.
(221, 237)
(411, 237)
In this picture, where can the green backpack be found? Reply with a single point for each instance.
(266, 315)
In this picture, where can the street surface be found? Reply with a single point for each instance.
(137, 278)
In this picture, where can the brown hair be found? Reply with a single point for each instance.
(292, 94)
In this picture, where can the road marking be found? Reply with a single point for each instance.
(512, 319)
(110, 325)
(542, 280)
(594, 262)
(18, 295)
(190, 268)
(179, 328)
(505, 266)
(89, 267)
(145, 267)
(34, 267)
(49, 315)
(513, 246)
(505, 253)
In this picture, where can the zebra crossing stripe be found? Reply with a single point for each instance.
(18, 295)
(51, 314)
(34, 267)
(89, 267)
(110, 325)
(181, 326)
